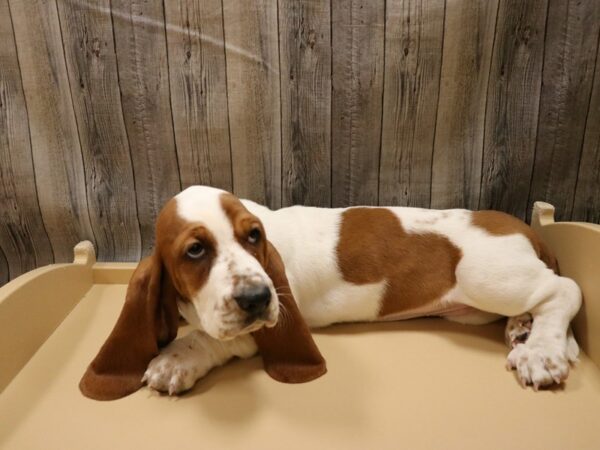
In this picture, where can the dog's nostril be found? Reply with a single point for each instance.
(254, 300)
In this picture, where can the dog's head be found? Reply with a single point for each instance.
(214, 265)
(217, 255)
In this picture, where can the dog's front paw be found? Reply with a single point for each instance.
(178, 366)
(539, 366)
(170, 373)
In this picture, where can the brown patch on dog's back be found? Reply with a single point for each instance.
(373, 246)
(502, 224)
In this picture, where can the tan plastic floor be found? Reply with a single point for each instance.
(421, 384)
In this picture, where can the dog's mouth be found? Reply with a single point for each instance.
(246, 327)
(263, 318)
(248, 324)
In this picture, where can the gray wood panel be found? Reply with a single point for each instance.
(109, 107)
(305, 58)
(513, 98)
(92, 68)
(357, 29)
(571, 40)
(55, 143)
(413, 57)
(141, 50)
(457, 155)
(586, 206)
(252, 54)
(23, 238)
(197, 73)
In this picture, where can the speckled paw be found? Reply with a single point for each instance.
(539, 366)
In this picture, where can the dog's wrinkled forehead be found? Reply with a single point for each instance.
(204, 204)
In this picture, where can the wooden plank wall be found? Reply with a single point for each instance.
(587, 192)
(254, 98)
(23, 238)
(414, 35)
(109, 107)
(358, 31)
(570, 60)
(513, 96)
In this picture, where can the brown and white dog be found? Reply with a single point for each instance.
(239, 273)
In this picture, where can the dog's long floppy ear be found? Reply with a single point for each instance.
(149, 320)
(288, 351)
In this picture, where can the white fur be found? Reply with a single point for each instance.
(497, 275)
(184, 360)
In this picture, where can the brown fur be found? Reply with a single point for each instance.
(501, 224)
(418, 268)
(243, 221)
(149, 319)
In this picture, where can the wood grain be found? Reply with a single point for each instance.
(92, 68)
(23, 239)
(413, 57)
(57, 159)
(141, 50)
(586, 206)
(116, 104)
(357, 34)
(305, 57)
(513, 97)
(4, 269)
(571, 40)
(458, 148)
(197, 76)
(252, 54)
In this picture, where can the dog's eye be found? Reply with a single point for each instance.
(254, 235)
(195, 251)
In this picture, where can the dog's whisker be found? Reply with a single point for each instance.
(284, 314)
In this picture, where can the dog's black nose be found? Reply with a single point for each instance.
(254, 300)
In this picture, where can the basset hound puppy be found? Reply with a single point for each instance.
(250, 279)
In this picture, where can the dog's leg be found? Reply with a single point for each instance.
(543, 359)
(474, 318)
(181, 363)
